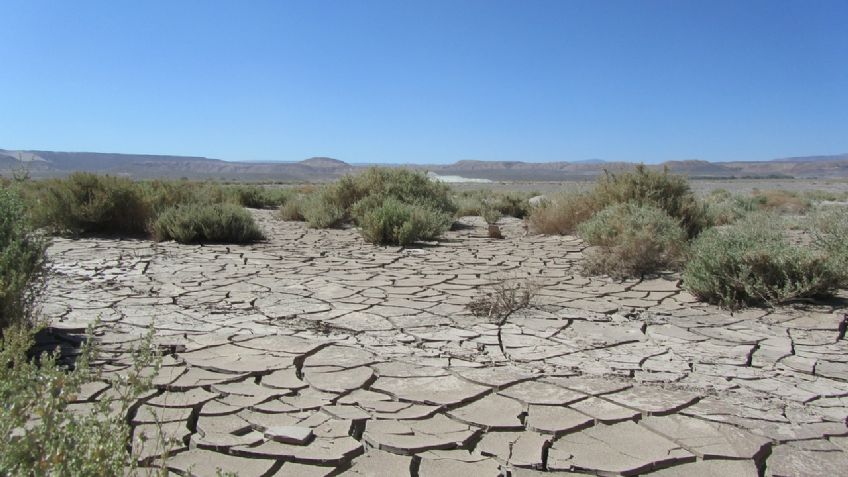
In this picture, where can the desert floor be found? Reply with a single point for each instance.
(315, 353)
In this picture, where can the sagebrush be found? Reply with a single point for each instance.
(752, 262)
(22, 260)
(631, 240)
(192, 223)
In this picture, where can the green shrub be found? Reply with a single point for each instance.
(377, 200)
(392, 221)
(824, 195)
(490, 214)
(468, 205)
(412, 187)
(724, 208)
(292, 209)
(472, 202)
(752, 263)
(22, 259)
(88, 203)
(321, 211)
(829, 229)
(668, 192)
(163, 195)
(191, 223)
(513, 204)
(632, 240)
(40, 434)
(258, 197)
(563, 212)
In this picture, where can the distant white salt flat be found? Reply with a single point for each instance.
(437, 177)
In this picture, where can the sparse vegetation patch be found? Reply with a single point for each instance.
(500, 301)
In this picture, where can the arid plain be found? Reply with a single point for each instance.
(316, 353)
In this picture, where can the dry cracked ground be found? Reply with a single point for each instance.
(315, 353)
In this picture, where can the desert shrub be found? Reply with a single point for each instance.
(724, 208)
(406, 185)
(248, 196)
(258, 197)
(780, 201)
(22, 259)
(752, 263)
(502, 299)
(377, 199)
(668, 192)
(89, 203)
(163, 195)
(191, 223)
(40, 434)
(472, 202)
(320, 210)
(817, 195)
(563, 212)
(391, 221)
(292, 209)
(468, 204)
(632, 240)
(829, 229)
(513, 204)
(490, 214)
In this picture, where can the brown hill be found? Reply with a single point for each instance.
(53, 163)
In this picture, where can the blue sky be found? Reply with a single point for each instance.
(427, 81)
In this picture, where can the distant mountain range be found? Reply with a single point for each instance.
(52, 164)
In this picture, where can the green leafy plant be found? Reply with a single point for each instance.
(44, 430)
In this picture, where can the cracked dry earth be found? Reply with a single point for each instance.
(315, 353)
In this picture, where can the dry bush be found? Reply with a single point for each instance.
(562, 213)
(498, 302)
(781, 201)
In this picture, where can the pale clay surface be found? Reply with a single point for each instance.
(315, 353)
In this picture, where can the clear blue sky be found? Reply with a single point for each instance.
(427, 81)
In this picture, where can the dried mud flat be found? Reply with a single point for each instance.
(315, 353)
